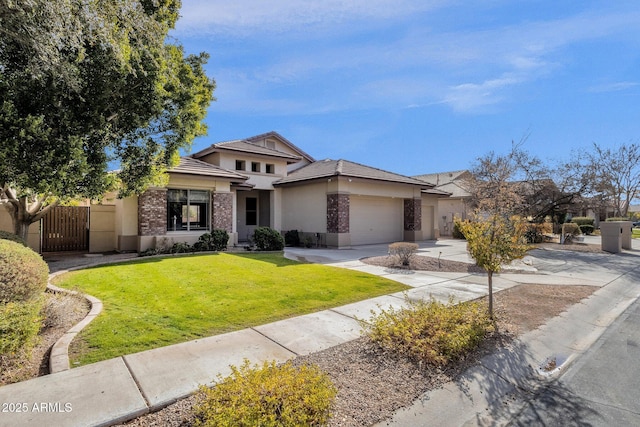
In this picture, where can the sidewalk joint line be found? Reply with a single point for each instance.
(274, 341)
(135, 380)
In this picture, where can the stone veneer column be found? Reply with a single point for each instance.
(412, 214)
(412, 220)
(152, 213)
(222, 211)
(338, 213)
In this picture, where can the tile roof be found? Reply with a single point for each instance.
(276, 135)
(452, 183)
(247, 147)
(191, 166)
(328, 168)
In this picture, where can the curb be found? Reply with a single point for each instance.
(59, 357)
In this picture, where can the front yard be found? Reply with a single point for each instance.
(155, 302)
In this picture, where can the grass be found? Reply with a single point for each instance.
(635, 233)
(155, 302)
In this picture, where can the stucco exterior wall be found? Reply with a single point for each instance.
(304, 208)
(126, 224)
(429, 217)
(102, 236)
(448, 210)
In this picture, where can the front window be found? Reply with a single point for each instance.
(187, 210)
(252, 211)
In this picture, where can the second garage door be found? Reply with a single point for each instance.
(375, 220)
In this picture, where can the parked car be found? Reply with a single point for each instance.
(636, 224)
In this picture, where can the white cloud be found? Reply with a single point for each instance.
(613, 87)
(241, 16)
(466, 69)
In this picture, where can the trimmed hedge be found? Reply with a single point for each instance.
(583, 220)
(23, 273)
(5, 235)
(19, 325)
(268, 239)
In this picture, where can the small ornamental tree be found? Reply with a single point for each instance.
(492, 242)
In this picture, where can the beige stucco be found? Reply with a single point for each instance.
(448, 210)
(102, 236)
(6, 224)
(126, 224)
(304, 207)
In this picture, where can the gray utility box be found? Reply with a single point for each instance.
(616, 235)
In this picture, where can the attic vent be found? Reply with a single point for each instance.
(270, 143)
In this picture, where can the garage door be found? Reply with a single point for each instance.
(375, 220)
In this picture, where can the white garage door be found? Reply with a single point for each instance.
(375, 220)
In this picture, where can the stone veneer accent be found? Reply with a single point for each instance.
(152, 213)
(412, 214)
(222, 211)
(338, 213)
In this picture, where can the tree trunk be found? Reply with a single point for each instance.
(21, 229)
(490, 281)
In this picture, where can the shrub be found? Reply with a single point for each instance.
(534, 233)
(430, 331)
(267, 396)
(268, 239)
(23, 273)
(583, 220)
(292, 238)
(180, 248)
(19, 325)
(403, 251)
(5, 235)
(569, 231)
(457, 233)
(215, 241)
(586, 229)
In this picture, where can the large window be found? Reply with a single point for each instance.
(187, 210)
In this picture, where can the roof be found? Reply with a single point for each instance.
(191, 166)
(328, 168)
(246, 147)
(285, 141)
(452, 183)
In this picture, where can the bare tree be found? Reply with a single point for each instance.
(616, 174)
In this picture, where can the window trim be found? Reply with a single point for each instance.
(189, 204)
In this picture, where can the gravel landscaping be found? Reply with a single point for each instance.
(372, 383)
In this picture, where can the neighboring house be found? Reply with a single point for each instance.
(454, 206)
(266, 180)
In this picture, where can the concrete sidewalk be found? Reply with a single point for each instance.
(112, 391)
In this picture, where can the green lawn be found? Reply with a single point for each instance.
(155, 302)
(635, 233)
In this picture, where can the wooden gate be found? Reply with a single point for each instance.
(66, 228)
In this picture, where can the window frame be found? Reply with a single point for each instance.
(198, 208)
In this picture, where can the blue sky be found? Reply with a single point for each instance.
(420, 86)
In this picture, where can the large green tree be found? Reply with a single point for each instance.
(84, 83)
